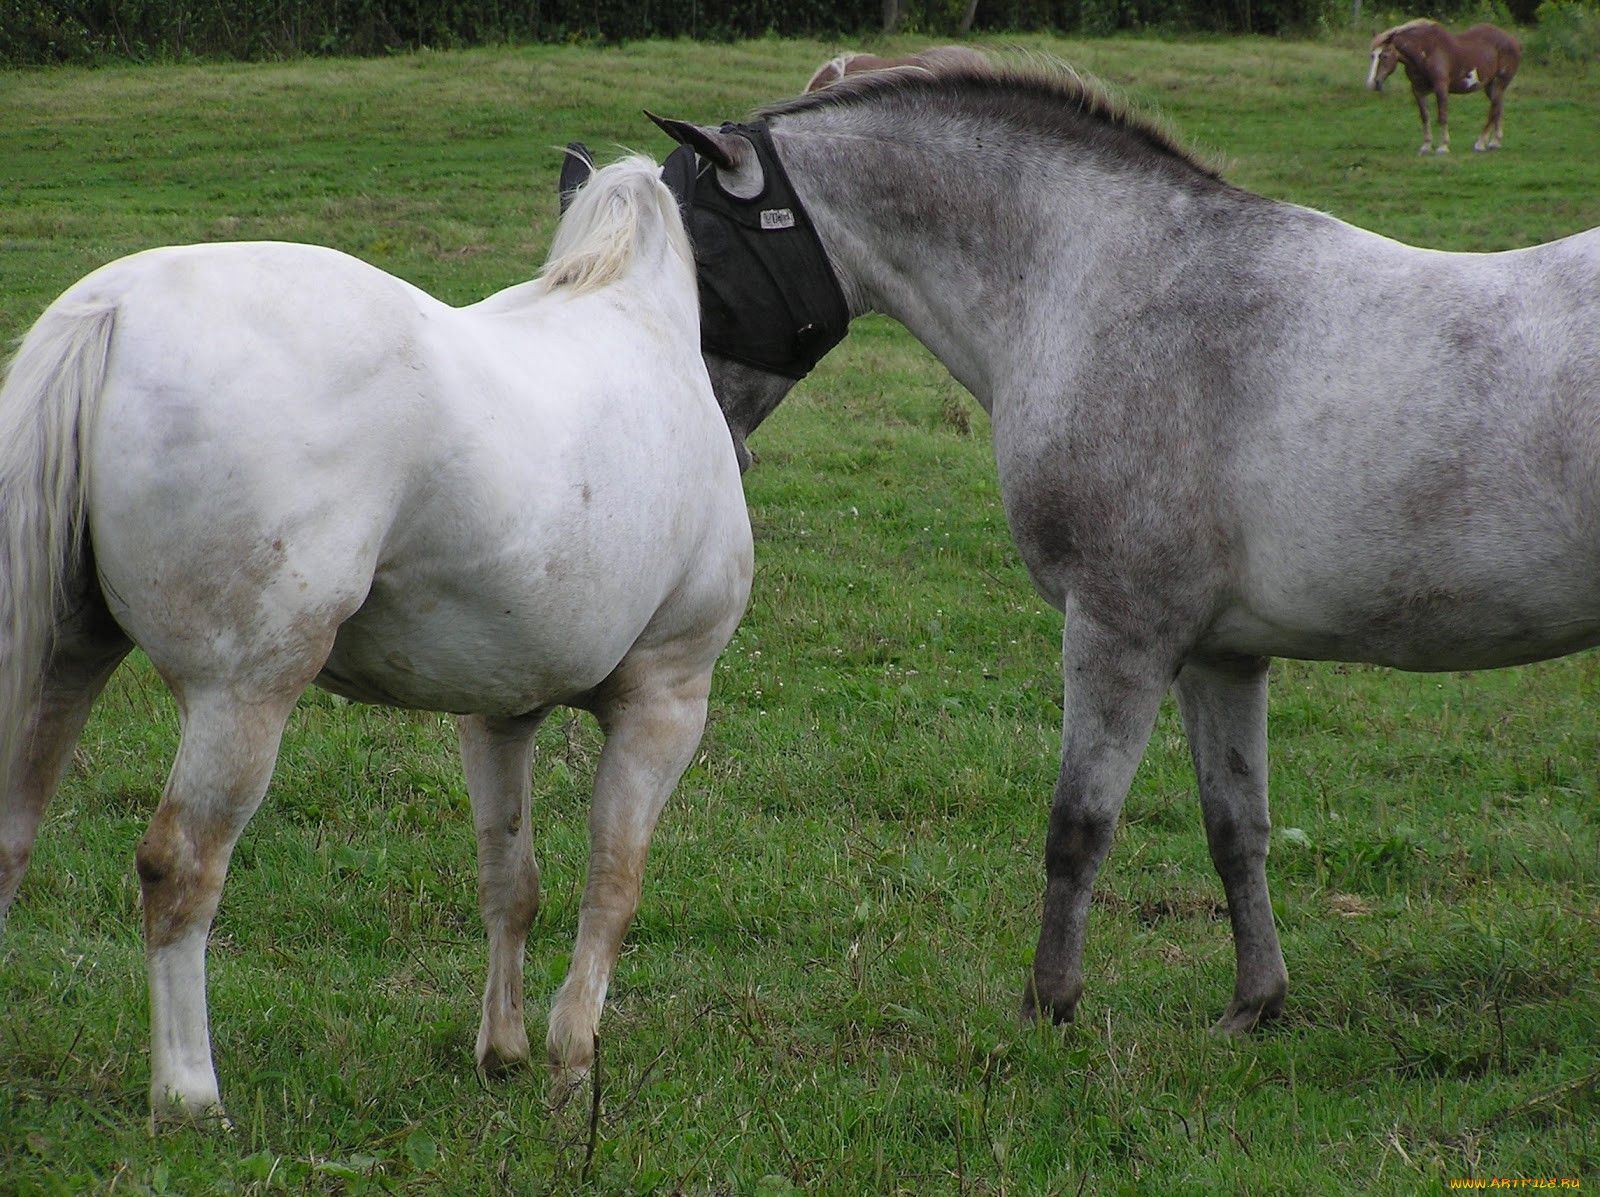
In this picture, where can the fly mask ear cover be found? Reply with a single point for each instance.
(768, 297)
(576, 168)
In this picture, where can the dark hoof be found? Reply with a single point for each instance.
(1035, 1009)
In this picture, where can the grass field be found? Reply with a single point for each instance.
(819, 993)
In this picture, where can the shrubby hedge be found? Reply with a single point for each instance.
(52, 31)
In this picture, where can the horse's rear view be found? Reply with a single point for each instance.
(269, 465)
(1437, 63)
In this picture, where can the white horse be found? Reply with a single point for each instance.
(271, 465)
(1226, 428)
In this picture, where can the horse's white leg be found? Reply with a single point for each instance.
(80, 664)
(1111, 695)
(1442, 97)
(497, 755)
(652, 727)
(1224, 709)
(226, 752)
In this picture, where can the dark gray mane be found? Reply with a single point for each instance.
(1053, 104)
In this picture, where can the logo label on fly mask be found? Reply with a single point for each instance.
(777, 218)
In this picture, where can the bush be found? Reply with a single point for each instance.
(1568, 30)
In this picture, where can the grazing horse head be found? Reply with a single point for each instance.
(1439, 63)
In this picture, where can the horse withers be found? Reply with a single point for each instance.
(272, 465)
(1439, 63)
(1227, 428)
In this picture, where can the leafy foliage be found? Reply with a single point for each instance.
(55, 31)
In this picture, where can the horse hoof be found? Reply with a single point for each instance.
(1243, 1017)
(493, 1064)
(1444, 149)
(564, 1082)
(177, 1114)
(1036, 1008)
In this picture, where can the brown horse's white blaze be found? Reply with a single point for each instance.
(1439, 63)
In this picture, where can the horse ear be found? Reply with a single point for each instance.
(576, 168)
(724, 150)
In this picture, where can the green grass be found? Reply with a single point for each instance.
(818, 996)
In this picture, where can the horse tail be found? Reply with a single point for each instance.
(611, 215)
(47, 404)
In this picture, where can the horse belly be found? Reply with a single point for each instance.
(446, 658)
(1461, 598)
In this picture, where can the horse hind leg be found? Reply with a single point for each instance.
(227, 748)
(497, 755)
(652, 726)
(86, 652)
(1489, 139)
(1224, 710)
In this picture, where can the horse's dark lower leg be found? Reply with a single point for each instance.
(1111, 696)
(497, 755)
(1224, 711)
(81, 663)
(1443, 146)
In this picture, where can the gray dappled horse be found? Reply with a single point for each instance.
(1226, 428)
(1438, 62)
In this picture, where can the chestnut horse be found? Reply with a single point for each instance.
(1439, 62)
(850, 63)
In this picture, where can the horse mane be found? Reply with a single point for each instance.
(599, 236)
(1046, 97)
(1388, 34)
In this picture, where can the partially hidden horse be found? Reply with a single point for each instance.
(853, 62)
(1226, 428)
(1439, 63)
(272, 465)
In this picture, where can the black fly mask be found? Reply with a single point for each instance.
(768, 297)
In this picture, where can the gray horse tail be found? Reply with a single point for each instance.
(47, 406)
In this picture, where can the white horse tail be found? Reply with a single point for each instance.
(611, 216)
(47, 405)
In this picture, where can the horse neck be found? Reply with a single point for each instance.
(971, 252)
